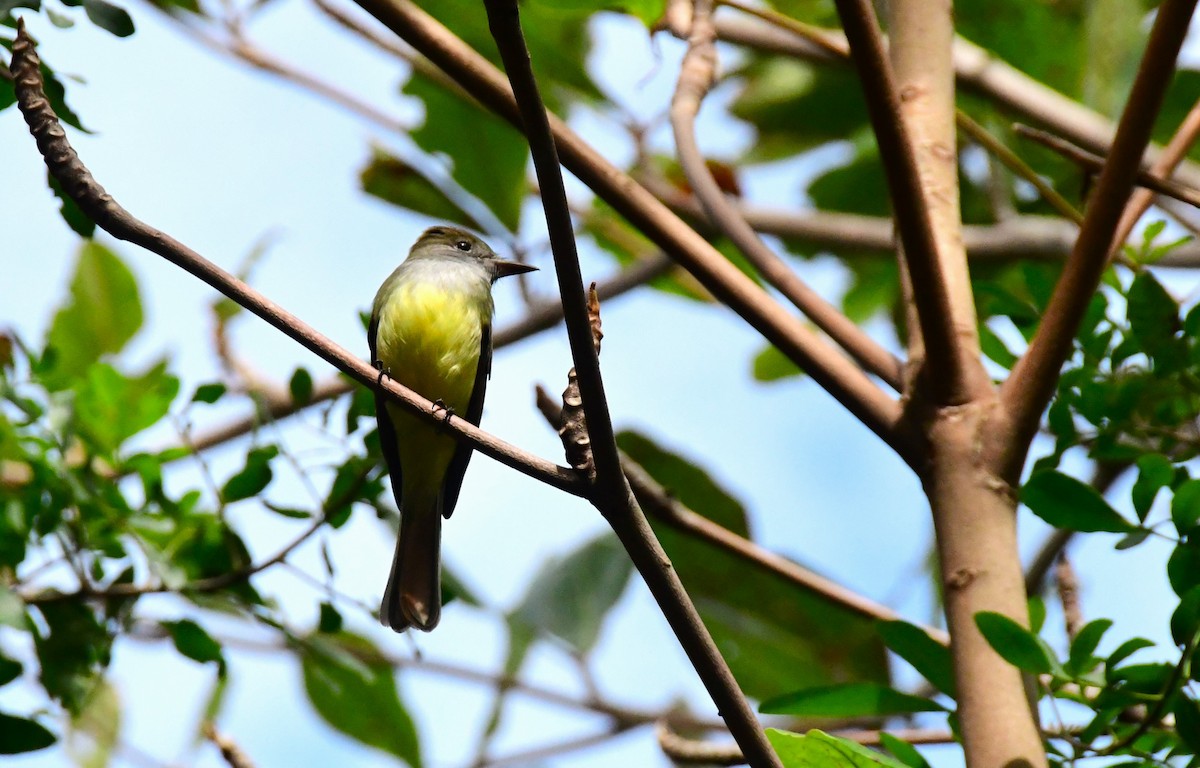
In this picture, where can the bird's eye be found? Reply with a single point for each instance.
(463, 245)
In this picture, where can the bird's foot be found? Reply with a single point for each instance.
(382, 372)
(440, 405)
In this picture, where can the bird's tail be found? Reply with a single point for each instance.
(413, 597)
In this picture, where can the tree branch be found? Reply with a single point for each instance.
(100, 206)
(952, 374)
(611, 493)
(839, 376)
(1032, 381)
(696, 76)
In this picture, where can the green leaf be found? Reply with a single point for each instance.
(1065, 502)
(772, 365)
(72, 652)
(818, 749)
(301, 387)
(253, 478)
(1155, 471)
(647, 11)
(109, 17)
(1125, 650)
(19, 735)
(1183, 567)
(110, 407)
(393, 180)
(79, 222)
(848, 700)
(101, 315)
(1153, 316)
(1185, 507)
(926, 655)
(904, 752)
(353, 689)
(487, 155)
(10, 670)
(330, 621)
(1081, 659)
(100, 724)
(209, 393)
(1017, 645)
(776, 636)
(192, 641)
(1187, 722)
(1185, 621)
(571, 596)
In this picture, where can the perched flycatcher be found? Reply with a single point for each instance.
(431, 329)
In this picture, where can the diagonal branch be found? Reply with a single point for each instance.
(695, 79)
(100, 206)
(1033, 379)
(836, 374)
(611, 493)
(951, 375)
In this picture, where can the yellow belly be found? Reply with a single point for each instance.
(429, 340)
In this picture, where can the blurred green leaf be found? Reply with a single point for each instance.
(19, 735)
(253, 478)
(1153, 318)
(101, 314)
(1187, 722)
(209, 393)
(301, 386)
(79, 222)
(848, 700)
(393, 180)
(772, 365)
(1016, 644)
(1064, 502)
(817, 749)
(1183, 567)
(1082, 659)
(1155, 471)
(904, 752)
(110, 407)
(647, 11)
(192, 641)
(10, 670)
(1185, 507)
(353, 688)
(96, 730)
(926, 655)
(109, 17)
(571, 595)
(487, 155)
(776, 636)
(72, 652)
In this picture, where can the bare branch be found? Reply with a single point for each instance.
(1095, 164)
(839, 376)
(952, 375)
(1033, 379)
(79, 184)
(611, 493)
(695, 78)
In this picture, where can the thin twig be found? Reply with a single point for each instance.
(1162, 167)
(1067, 583)
(536, 755)
(80, 185)
(696, 76)
(234, 755)
(1032, 381)
(1095, 163)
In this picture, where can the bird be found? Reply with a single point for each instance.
(431, 330)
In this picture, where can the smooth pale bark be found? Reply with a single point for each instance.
(974, 515)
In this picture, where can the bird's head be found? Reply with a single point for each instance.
(451, 242)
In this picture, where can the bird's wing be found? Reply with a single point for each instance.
(462, 455)
(387, 432)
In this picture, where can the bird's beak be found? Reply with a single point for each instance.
(506, 268)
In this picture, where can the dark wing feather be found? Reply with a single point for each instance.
(462, 455)
(387, 432)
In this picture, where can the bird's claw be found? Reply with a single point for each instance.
(440, 405)
(382, 372)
